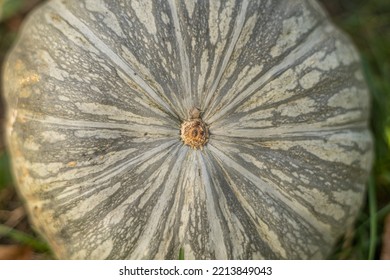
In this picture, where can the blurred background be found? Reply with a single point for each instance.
(367, 23)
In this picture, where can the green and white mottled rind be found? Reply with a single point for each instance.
(97, 90)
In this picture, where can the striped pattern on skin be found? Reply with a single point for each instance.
(96, 94)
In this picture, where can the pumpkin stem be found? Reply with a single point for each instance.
(194, 132)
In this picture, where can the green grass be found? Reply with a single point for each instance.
(372, 206)
(368, 24)
(181, 254)
(5, 172)
(24, 238)
(9, 7)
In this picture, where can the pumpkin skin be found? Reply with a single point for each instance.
(97, 92)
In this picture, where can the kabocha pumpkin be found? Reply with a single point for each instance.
(231, 129)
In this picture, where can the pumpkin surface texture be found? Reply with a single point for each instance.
(231, 129)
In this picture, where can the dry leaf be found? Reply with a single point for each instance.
(15, 252)
(15, 217)
(385, 252)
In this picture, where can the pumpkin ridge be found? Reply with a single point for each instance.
(263, 187)
(346, 156)
(332, 180)
(217, 245)
(142, 247)
(229, 103)
(147, 202)
(236, 132)
(183, 230)
(185, 66)
(271, 104)
(156, 130)
(239, 24)
(263, 244)
(62, 10)
(102, 176)
(274, 230)
(167, 147)
(126, 199)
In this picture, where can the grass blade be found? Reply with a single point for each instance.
(373, 219)
(181, 254)
(24, 238)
